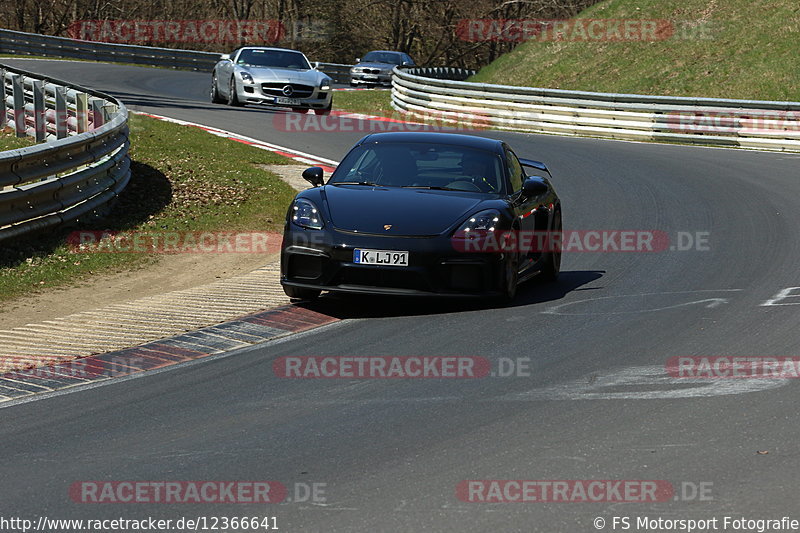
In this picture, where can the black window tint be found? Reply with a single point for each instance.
(515, 173)
(384, 57)
(273, 58)
(422, 165)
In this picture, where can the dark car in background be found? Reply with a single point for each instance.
(393, 217)
(375, 68)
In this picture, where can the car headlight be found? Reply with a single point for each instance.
(325, 85)
(246, 77)
(484, 221)
(305, 214)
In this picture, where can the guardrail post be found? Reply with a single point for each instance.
(61, 112)
(39, 129)
(82, 112)
(98, 114)
(19, 104)
(66, 179)
(3, 116)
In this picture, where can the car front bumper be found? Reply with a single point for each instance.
(257, 93)
(324, 260)
(370, 79)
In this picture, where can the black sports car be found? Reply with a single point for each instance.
(396, 213)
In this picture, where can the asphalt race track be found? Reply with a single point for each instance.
(595, 404)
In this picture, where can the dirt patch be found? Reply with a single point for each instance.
(169, 273)
(291, 174)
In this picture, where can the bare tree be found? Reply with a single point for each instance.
(342, 29)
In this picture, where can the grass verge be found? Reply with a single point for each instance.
(368, 102)
(9, 141)
(182, 179)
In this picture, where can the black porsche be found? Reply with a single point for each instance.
(393, 216)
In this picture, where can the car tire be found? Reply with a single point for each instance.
(552, 266)
(215, 97)
(510, 278)
(233, 99)
(300, 293)
(325, 111)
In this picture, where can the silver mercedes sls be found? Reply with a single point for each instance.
(272, 76)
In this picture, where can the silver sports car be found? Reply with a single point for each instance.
(272, 76)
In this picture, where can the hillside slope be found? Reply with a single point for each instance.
(746, 49)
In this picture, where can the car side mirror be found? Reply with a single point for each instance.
(225, 57)
(534, 186)
(316, 65)
(313, 175)
(405, 64)
(358, 60)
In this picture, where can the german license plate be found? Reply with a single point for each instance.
(280, 100)
(380, 257)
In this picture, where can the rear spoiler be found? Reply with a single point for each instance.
(534, 164)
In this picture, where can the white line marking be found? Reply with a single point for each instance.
(711, 303)
(783, 295)
(644, 383)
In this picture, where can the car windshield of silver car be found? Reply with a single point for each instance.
(273, 58)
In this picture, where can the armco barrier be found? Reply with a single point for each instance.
(710, 121)
(338, 72)
(20, 43)
(82, 165)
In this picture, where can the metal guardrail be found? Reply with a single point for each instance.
(83, 164)
(21, 43)
(711, 121)
(338, 72)
(441, 73)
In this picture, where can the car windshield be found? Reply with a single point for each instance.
(393, 58)
(424, 166)
(273, 58)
